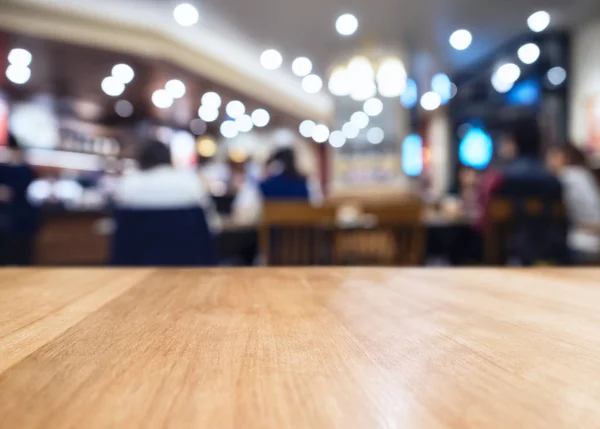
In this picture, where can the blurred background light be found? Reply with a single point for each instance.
(112, 86)
(373, 106)
(337, 139)
(198, 126)
(235, 109)
(375, 135)
(363, 90)
(350, 130)
(306, 128)
(20, 57)
(229, 129)
(524, 93)
(346, 24)
(244, 123)
(301, 66)
(206, 147)
(211, 99)
(123, 73)
(176, 88)
(208, 113)
(476, 149)
(501, 85)
(441, 85)
(431, 100)
(410, 96)
(340, 83)
(412, 155)
(508, 72)
(162, 99)
(557, 75)
(312, 84)
(260, 118)
(18, 74)
(271, 59)
(124, 108)
(360, 119)
(185, 14)
(538, 21)
(320, 133)
(529, 53)
(461, 39)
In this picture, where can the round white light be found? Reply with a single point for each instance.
(301, 66)
(538, 21)
(339, 82)
(229, 129)
(373, 106)
(112, 86)
(346, 24)
(244, 123)
(162, 99)
(312, 84)
(360, 68)
(556, 75)
(529, 53)
(19, 57)
(198, 126)
(123, 73)
(18, 74)
(363, 90)
(350, 130)
(124, 108)
(271, 59)
(360, 119)
(185, 14)
(176, 88)
(208, 113)
(431, 100)
(375, 135)
(441, 84)
(391, 78)
(320, 133)
(211, 99)
(501, 85)
(391, 89)
(306, 128)
(508, 72)
(260, 118)
(337, 139)
(235, 109)
(461, 39)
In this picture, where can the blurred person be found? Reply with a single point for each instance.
(159, 185)
(581, 196)
(18, 217)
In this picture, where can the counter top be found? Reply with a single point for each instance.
(326, 348)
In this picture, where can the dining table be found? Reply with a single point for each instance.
(320, 348)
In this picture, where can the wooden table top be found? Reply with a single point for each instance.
(299, 348)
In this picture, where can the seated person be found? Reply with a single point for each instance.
(581, 196)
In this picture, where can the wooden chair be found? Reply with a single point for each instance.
(397, 236)
(296, 233)
(500, 221)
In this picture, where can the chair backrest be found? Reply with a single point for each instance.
(163, 237)
(396, 238)
(523, 224)
(296, 233)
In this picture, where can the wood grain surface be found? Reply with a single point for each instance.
(299, 348)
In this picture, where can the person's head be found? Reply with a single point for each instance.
(467, 176)
(154, 154)
(286, 158)
(559, 157)
(526, 136)
(507, 148)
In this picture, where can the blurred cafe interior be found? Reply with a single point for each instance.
(230, 133)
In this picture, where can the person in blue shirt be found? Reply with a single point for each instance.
(285, 181)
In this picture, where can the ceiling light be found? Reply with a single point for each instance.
(320, 133)
(112, 86)
(306, 128)
(501, 85)
(271, 59)
(350, 130)
(339, 82)
(244, 123)
(538, 21)
(18, 74)
(346, 24)
(461, 39)
(373, 106)
(260, 118)
(162, 99)
(529, 53)
(301, 66)
(176, 88)
(440, 83)
(337, 139)
(360, 68)
(185, 14)
(235, 109)
(508, 72)
(556, 75)
(431, 100)
(360, 119)
(391, 89)
(211, 99)
(206, 147)
(123, 73)
(375, 135)
(124, 108)
(19, 57)
(363, 90)
(198, 126)
(208, 113)
(312, 84)
(391, 78)
(229, 129)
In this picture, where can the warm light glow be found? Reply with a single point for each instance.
(229, 129)
(360, 119)
(260, 118)
(312, 84)
(301, 66)
(211, 99)
(306, 128)
(271, 59)
(373, 106)
(375, 135)
(206, 147)
(538, 21)
(123, 73)
(346, 24)
(208, 113)
(185, 14)
(320, 133)
(350, 130)
(112, 86)
(162, 99)
(18, 74)
(235, 109)
(124, 108)
(340, 83)
(238, 154)
(337, 139)
(461, 39)
(20, 57)
(244, 123)
(431, 100)
(529, 53)
(176, 88)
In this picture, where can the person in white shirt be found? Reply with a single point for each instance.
(158, 185)
(581, 196)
